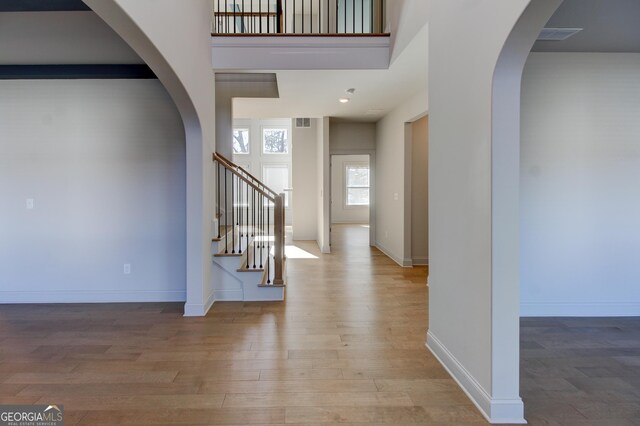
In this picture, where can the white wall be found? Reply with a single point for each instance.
(61, 38)
(340, 212)
(420, 192)
(404, 19)
(474, 94)
(104, 162)
(305, 181)
(391, 155)
(350, 137)
(323, 187)
(580, 205)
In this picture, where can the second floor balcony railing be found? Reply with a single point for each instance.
(271, 17)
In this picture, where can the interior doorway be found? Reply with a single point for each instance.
(351, 192)
(419, 210)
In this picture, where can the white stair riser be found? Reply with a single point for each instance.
(231, 285)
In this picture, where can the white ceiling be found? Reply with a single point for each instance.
(608, 26)
(315, 93)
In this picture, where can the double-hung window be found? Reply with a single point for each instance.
(357, 185)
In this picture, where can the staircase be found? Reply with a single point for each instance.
(248, 245)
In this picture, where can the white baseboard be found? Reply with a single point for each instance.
(66, 296)
(305, 238)
(544, 309)
(350, 222)
(496, 411)
(199, 310)
(405, 263)
(229, 295)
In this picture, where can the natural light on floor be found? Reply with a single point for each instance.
(293, 252)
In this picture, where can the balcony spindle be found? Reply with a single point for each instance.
(345, 16)
(353, 15)
(371, 15)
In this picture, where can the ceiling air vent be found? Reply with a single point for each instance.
(303, 123)
(557, 34)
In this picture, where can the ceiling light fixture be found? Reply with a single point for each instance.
(344, 100)
(350, 91)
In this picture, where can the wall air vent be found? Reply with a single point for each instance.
(557, 34)
(303, 123)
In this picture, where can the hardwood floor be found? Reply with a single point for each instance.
(347, 347)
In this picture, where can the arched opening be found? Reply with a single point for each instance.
(579, 215)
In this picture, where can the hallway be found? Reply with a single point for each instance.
(347, 346)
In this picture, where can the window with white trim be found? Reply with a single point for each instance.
(357, 185)
(241, 143)
(275, 140)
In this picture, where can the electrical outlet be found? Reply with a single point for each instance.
(127, 268)
(395, 196)
(30, 203)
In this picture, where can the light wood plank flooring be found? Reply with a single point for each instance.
(347, 347)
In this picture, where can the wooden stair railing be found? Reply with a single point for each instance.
(255, 215)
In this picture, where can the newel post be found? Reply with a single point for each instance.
(278, 219)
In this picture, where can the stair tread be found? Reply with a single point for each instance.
(250, 270)
(228, 254)
(272, 285)
(224, 230)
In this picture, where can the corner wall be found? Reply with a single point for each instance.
(323, 188)
(391, 157)
(419, 233)
(305, 181)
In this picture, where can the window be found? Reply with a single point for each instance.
(275, 141)
(276, 177)
(241, 141)
(357, 184)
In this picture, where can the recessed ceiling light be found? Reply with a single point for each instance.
(344, 100)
